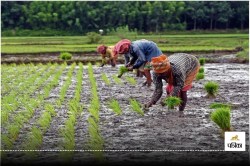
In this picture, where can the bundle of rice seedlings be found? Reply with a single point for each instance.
(202, 61)
(200, 76)
(122, 70)
(65, 56)
(211, 88)
(172, 101)
(201, 70)
(221, 116)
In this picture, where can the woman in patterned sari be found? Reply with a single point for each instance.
(178, 70)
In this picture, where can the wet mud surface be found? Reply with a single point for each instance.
(159, 135)
(218, 57)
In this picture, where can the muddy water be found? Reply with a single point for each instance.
(162, 129)
(159, 135)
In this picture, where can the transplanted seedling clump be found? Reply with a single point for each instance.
(200, 76)
(221, 116)
(114, 105)
(172, 101)
(211, 88)
(136, 106)
(65, 56)
(201, 70)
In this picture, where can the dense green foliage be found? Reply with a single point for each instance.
(80, 17)
(202, 61)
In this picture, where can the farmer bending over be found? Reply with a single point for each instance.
(178, 70)
(107, 51)
(141, 52)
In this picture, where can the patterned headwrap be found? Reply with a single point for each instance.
(160, 64)
(121, 47)
(101, 49)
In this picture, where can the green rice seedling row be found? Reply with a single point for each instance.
(16, 122)
(69, 107)
(96, 141)
(20, 97)
(75, 108)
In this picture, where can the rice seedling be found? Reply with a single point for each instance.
(136, 106)
(97, 63)
(202, 61)
(44, 120)
(33, 142)
(6, 141)
(95, 137)
(65, 56)
(13, 131)
(65, 85)
(131, 80)
(221, 116)
(172, 101)
(211, 88)
(200, 76)
(219, 105)
(50, 109)
(105, 79)
(92, 122)
(96, 142)
(114, 105)
(122, 70)
(36, 135)
(68, 132)
(116, 79)
(201, 70)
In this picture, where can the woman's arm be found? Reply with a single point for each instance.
(179, 80)
(158, 90)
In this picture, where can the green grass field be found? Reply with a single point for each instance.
(167, 43)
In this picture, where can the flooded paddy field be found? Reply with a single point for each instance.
(157, 136)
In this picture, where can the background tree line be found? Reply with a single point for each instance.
(81, 17)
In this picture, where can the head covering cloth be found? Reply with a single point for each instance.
(101, 49)
(160, 64)
(121, 47)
